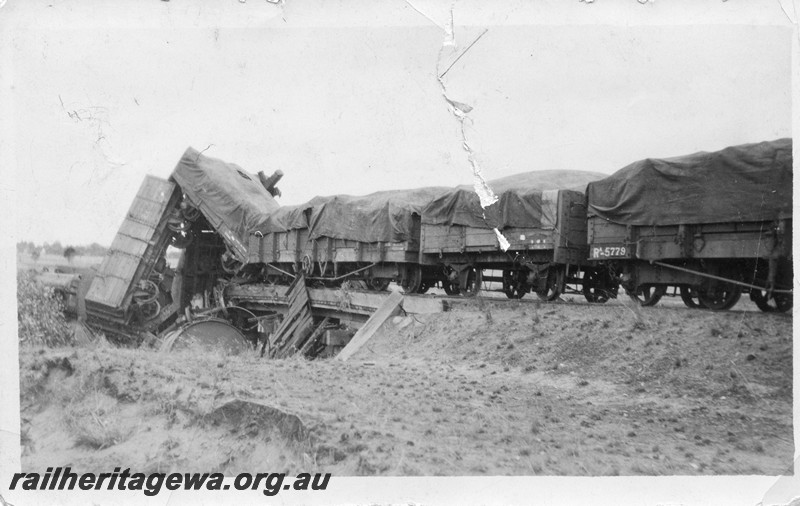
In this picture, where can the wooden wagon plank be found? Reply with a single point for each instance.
(389, 308)
(314, 336)
(302, 332)
(132, 242)
(285, 332)
(329, 298)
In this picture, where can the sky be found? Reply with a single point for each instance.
(349, 102)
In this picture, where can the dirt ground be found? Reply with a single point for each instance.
(489, 388)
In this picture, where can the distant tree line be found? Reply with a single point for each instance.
(56, 248)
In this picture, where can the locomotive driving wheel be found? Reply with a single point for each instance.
(553, 285)
(780, 302)
(515, 284)
(648, 295)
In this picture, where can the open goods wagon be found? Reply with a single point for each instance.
(373, 239)
(535, 239)
(708, 226)
(437, 236)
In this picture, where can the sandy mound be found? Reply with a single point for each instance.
(491, 388)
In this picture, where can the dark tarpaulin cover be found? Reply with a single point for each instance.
(379, 217)
(526, 200)
(751, 182)
(229, 194)
(285, 218)
(387, 216)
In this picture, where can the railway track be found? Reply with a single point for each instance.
(670, 302)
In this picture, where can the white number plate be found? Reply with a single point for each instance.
(609, 252)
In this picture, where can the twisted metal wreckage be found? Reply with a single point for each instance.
(214, 297)
(205, 210)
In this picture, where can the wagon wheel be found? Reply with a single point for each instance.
(474, 280)
(597, 286)
(190, 213)
(451, 287)
(412, 279)
(378, 284)
(230, 265)
(149, 310)
(720, 296)
(181, 239)
(783, 301)
(648, 295)
(450, 282)
(515, 285)
(158, 268)
(690, 298)
(424, 286)
(780, 302)
(177, 224)
(555, 284)
(146, 292)
(358, 284)
(307, 265)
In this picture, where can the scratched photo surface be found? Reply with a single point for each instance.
(414, 239)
